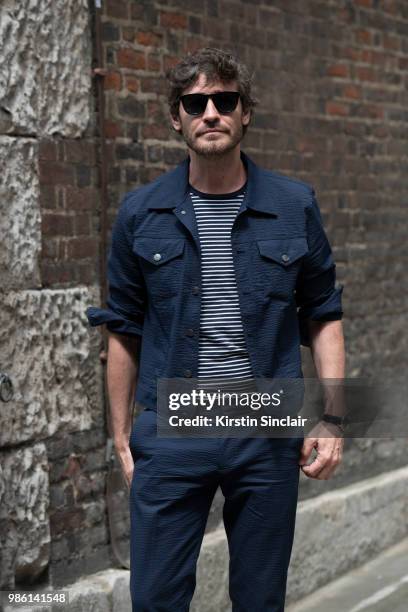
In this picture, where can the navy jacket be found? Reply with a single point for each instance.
(283, 265)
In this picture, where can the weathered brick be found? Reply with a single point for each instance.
(193, 43)
(118, 9)
(363, 37)
(86, 274)
(133, 131)
(79, 151)
(153, 84)
(336, 108)
(153, 62)
(132, 175)
(83, 174)
(112, 129)
(48, 197)
(131, 107)
(137, 12)
(149, 39)
(173, 20)
(169, 61)
(110, 32)
(391, 42)
(80, 248)
(366, 74)
(113, 80)
(113, 174)
(82, 223)
(174, 155)
(154, 109)
(56, 173)
(338, 70)
(81, 198)
(130, 151)
(57, 274)
(212, 8)
(158, 132)
(129, 58)
(155, 153)
(352, 91)
(50, 249)
(132, 84)
(57, 224)
(48, 150)
(149, 174)
(403, 63)
(129, 33)
(373, 57)
(195, 24)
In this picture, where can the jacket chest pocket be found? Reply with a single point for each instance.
(162, 262)
(277, 264)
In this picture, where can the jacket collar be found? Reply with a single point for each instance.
(260, 196)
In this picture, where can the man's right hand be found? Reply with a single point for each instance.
(126, 463)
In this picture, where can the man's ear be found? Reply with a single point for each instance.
(246, 117)
(175, 121)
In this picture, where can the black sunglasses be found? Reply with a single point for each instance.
(225, 102)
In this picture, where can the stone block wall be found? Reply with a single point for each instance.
(53, 518)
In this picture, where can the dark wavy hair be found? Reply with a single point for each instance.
(215, 64)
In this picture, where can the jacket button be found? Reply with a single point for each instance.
(190, 332)
(183, 212)
(285, 257)
(188, 373)
(196, 290)
(157, 257)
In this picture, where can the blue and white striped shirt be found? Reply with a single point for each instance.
(222, 348)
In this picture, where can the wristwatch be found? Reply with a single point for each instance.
(341, 422)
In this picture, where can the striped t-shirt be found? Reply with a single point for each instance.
(222, 348)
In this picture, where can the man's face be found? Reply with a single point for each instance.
(227, 130)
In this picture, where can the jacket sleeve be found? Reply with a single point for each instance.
(125, 305)
(318, 296)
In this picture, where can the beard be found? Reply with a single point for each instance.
(213, 148)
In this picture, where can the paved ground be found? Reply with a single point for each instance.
(378, 586)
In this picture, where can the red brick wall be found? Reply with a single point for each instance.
(332, 81)
(70, 203)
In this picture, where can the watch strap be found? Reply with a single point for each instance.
(331, 418)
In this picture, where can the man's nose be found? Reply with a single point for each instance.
(210, 112)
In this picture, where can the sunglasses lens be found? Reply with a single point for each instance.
(194, 104)
(224, 101)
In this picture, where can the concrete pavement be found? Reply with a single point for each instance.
(380, 585)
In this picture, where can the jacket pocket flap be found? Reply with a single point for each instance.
(284, 251)
(158, 251)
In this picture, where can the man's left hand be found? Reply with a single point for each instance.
(328, 441)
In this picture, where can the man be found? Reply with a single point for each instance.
(216, 268)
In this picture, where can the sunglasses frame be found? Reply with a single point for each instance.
(210, 96)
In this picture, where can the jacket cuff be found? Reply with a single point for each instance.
(114, 321)
(328, 308)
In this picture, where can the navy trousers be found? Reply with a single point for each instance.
(173, 486)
